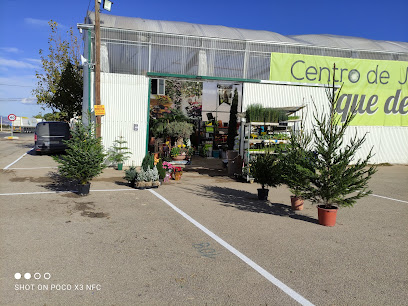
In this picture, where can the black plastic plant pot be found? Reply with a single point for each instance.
(263, 194)
(83, 189)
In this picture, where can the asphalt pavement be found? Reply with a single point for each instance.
(203, 240)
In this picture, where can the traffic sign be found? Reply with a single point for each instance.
(11, 117)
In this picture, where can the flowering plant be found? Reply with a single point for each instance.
(177, 169)
(179, 150)
(167, 166)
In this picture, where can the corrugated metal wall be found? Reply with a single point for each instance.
(126, 103)
(390, 142)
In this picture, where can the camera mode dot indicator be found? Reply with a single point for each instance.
(27, 276)
(17, 276)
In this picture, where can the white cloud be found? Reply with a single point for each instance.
(33, 60)
(10, 50)
(36, 22)
(29, 101)
(42, 23)
(16, 64)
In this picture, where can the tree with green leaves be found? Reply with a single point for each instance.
(55, 63)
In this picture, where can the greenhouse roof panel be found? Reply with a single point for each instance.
(222, 32)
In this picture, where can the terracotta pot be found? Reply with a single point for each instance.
(177, 176)
(327, 216)
(179, 157)
(297, 203)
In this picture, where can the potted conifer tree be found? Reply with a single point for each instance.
(338, 180)
(266, 171)
(84, 157)
(118, 152)
(297, 167)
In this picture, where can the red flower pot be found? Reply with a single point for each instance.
(297, 203)
(327, 216)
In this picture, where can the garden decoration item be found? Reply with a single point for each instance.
(177, 173)
(297, 166)
(84, 157)
(339, 180)
(155, 177)
(265, 170)
(118, 152)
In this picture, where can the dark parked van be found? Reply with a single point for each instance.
(49, 136)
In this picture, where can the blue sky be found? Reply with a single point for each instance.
(24, 29)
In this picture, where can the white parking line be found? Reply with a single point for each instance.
(293, 294)
(33, 168)
(376, 195)
(69, 191)
(5, 168)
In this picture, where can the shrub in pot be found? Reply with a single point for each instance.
(265, 170)
(118, 152)
(339, 180)
(297, 167)
(131, 176)
(84, 157)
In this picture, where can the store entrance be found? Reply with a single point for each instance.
(189, 117)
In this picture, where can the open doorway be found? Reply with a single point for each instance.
(192, 117)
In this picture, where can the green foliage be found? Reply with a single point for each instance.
(177, 89)
(179, 129)
(297, 166)
(258, 113)
(148, 162)
(131, 175)
(232, 124)
(160, 169)
(118, 153)
(157, 126)
(68, 94)
(84, 155)
(266, 170)
(339, 179)
(60, 53)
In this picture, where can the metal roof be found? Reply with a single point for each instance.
(222, 32)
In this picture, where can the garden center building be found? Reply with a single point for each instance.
(139, 57)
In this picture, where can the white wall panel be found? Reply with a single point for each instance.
(126, 103)
(390, 142)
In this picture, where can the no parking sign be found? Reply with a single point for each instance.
(12, 117)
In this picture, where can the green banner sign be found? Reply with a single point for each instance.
(379, 88)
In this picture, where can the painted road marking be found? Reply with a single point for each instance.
(375, 195)
(32, 168)
(293, 294)
(69, 191)
(17, 159)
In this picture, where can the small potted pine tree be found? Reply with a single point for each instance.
(266, 171)
(297, 167)
(118, 152)
(84, 157)
(338, 180)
